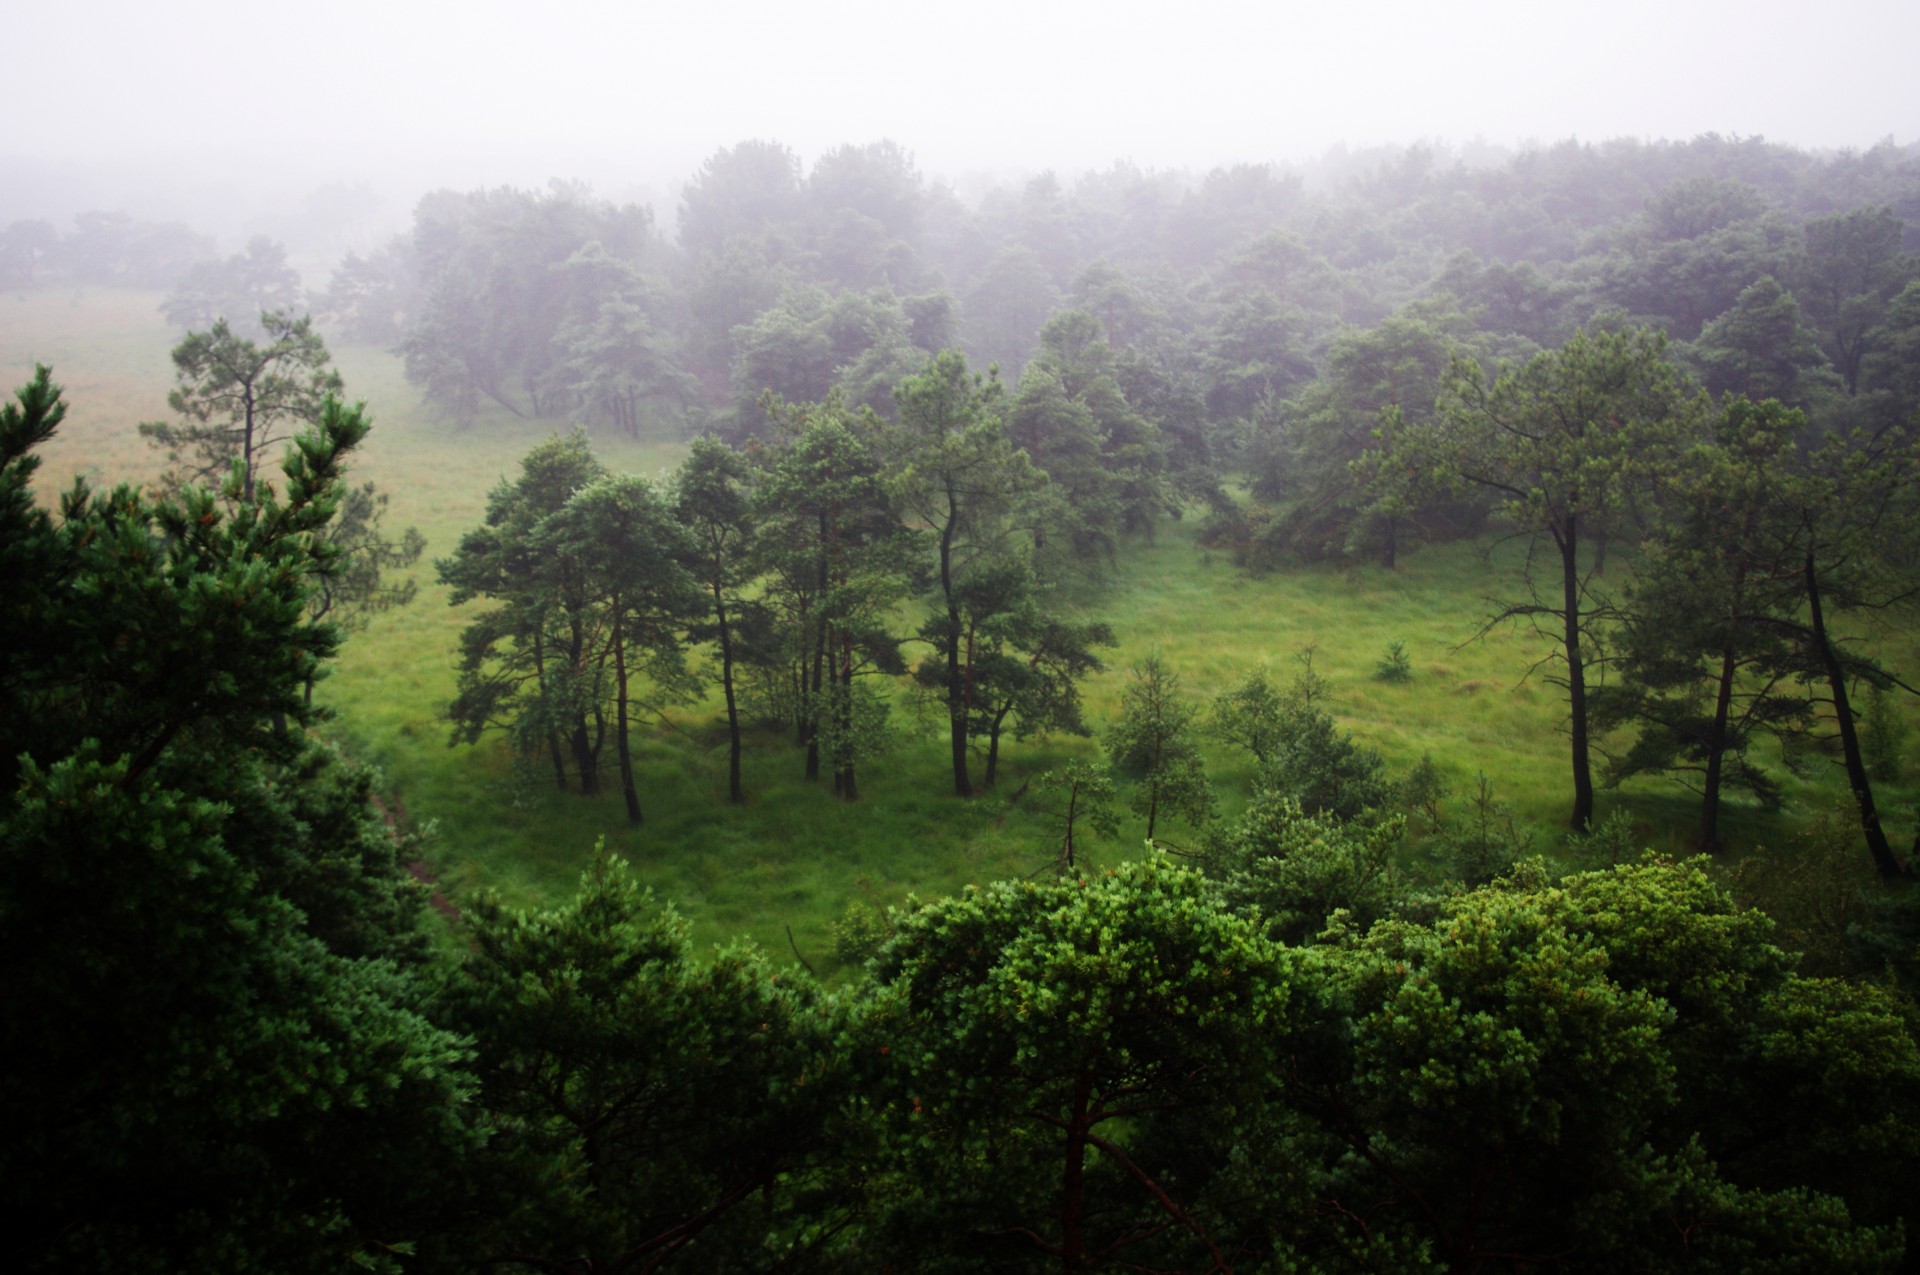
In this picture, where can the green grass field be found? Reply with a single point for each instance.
(794, 856)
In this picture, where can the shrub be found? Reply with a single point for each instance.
(1395, 666)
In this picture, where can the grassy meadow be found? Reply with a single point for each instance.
(795, 857)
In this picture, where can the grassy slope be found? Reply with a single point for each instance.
(794, 856)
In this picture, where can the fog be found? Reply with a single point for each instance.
(229, 114)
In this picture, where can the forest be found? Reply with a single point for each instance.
(1336, 718)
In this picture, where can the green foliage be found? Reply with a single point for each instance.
(536, 302)
(1009, 302)
(1892, 366)
(859, 932)
(626, 555)
(1771, 1063)
(1024, 664)
(203, 912)
(1884, 737)
(1152, 744)
(1303, 754)
(521, 662)
(1252, 716)
(1423, 789)
(1106, 461)
(1214, 307)
(1394, 666)
(1608, 844)
(370, 298)
(1293, 871)
(1566, 445)
(1706, 652)
(1679, 280)
(640, 1101)
(836, 562)
(1762, 349)
(712, 500)
(958, 475)
(1071, 1066)
(238, 292)
(811, 344)
(1323, 769)
(360, 584)
(855, 727)
(1079, 796)
(1824, 898)
(1495, 1039)
(590, 571)
(1545, 1069)
(1301, 458)
(1854, 265)
(739, 191)
(1483, 845)
(241, 399)
(613, 353)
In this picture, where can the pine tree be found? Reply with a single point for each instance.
(216, 1057)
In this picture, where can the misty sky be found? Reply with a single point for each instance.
(627, 93)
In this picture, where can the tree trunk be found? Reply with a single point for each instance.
(586, 748)
(1883, 858)
(957, 709)
(1722, 713)
(584, 760)
(246, 445)
(734, 793)
(993, 748)
(956, 683)
(620, 720)
(1073, 1181)
(1073, 813)
(1716, 752)
(845, 783)
(553, 740)
(820, 670)
(1390, 551)
(1576, 675)
(816, 681)
(799, 669)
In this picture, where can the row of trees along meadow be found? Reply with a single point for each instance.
(1754, 529)
(1758, 531)
(793, 559)
(237, 1050)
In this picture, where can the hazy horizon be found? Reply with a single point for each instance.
(220, 113)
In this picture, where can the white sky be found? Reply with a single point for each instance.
(636, 93)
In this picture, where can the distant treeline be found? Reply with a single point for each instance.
(1230, 297)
